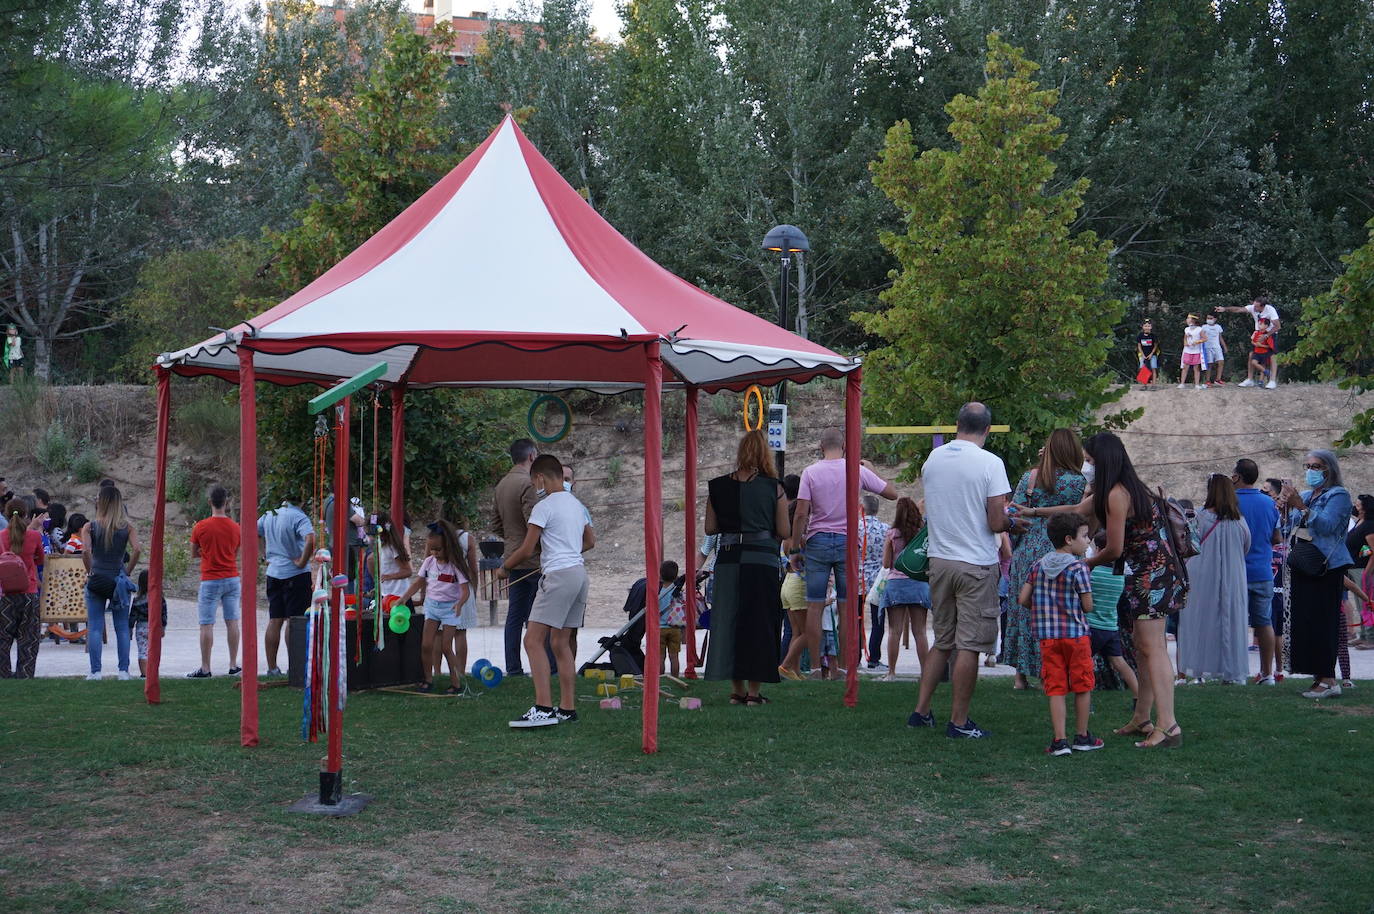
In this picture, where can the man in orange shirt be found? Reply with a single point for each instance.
(215, 541)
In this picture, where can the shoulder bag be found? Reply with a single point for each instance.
(914, 562)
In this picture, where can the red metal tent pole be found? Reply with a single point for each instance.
(248, 545)
(398, 455)
(653, 536)
(331, 779)
(853, 453)
(152, 688)
(689, 538)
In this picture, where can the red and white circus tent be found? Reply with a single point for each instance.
(501, 275)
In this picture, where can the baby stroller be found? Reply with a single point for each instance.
(703, 624)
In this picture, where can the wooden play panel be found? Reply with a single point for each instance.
(64, 585)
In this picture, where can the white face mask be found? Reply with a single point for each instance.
(1089, 470)
(567, 486)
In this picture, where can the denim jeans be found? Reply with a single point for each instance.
(824, 553)
(95, 637)
(521, 595)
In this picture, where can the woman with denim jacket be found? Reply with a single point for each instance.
(1316, 600)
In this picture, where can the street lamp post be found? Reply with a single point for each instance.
(784, 240)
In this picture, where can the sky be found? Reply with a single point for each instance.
(604, 18)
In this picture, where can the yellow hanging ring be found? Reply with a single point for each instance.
(758, 397)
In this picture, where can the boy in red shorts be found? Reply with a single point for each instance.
(1059, 593)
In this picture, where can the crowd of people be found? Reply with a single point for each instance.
(1076, 577)
(1081, 573)
(1204, 350)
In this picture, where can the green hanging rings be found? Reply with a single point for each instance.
(553, 402)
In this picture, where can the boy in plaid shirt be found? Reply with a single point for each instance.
(1059, 592)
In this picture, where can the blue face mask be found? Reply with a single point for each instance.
(1314, 478)
(567, 486)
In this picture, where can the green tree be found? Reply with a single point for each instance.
(381, 148)
(1336, 332)
(995, 298)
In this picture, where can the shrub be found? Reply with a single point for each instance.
(181, 482)
(176, 557)
(86, 465)
(55, 449)
(208, 422)
(613, 471)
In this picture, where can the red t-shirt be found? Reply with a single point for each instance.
(31, 553)
(218, 541)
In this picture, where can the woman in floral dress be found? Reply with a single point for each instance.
(1057, 480)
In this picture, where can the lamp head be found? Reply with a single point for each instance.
(786, 239)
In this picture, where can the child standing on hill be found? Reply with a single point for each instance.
(1262, 350)
(1103, 627)
(444, 577)
(1194, 340)
(1214, 348)
(672, 615)
(558, 526)
(1059, 592)
(138, 617)
(1147, 352)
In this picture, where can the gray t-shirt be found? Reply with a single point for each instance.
(284, 530)
(355, 507)
(959, 478)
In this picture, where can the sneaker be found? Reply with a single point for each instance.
(565, 717)
(1086, 742)
(198, 674)
(917, 719)
(878, 667)
(1265, 681)
(275, 671)
(535, 717)
(1183, 387)
(1254, 648)
(1347, 684)
(1219, 382)
(123, 676)
(235, 670)
(92, 677)
(1056, 747)
(1272, 385)
(1278, 677)
(1199, 387)
(1320, 692)
(969, 730)
(1246, 383)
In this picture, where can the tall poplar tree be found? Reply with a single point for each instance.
(994, 299)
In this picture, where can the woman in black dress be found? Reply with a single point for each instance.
(748, 508)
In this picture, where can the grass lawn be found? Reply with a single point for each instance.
(107, 804)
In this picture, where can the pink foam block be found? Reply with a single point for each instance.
(689, 704)
(610, 704)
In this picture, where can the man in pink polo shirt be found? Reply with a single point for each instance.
(819, 541)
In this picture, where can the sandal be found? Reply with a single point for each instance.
(1172, 738)
(1144, 728)
(755, 700)
(453, 690)
(738, 699)
(425, 687)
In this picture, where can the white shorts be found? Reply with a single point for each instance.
(1214, 355)
(562, 598)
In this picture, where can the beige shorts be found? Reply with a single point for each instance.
(793, 592)
(562, 598)
(964, 606)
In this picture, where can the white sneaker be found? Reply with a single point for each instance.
(1272, 385)
(1266, 681)
(1246, 383)
(535, 718)
(275, 671)
(92, 677)
(1183, 387)
(1199, 387)
(1319, 693)
(123, 676)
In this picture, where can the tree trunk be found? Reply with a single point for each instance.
(802, 322)
(42, 358)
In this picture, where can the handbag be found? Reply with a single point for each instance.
(1304, 557)
(875, 593)
(914, 562)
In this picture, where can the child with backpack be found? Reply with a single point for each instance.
(21, 555)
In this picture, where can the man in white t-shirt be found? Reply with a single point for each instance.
(820, 540)
(558, 526)
(966, 492)
(1260, 309)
